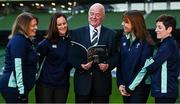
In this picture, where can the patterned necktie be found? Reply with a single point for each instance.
(94, 40)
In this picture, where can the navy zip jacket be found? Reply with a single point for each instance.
(20, 65)
(132, 58)
(164, 70)
(55, 70)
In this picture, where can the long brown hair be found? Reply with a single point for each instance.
(21, 24)
(138, 24)
(53, 33)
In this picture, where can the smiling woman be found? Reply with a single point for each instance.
(53, 83)
(20, 60)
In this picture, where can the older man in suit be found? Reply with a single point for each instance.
(93, 81)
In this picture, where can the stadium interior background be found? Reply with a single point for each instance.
(76, 11)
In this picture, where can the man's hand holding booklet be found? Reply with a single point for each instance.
(97, 54)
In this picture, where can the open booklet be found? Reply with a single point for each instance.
(97, 54)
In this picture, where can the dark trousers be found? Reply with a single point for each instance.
(11, 96)
(140, 95)
(46, 94)
(91, 99)
(165, 100)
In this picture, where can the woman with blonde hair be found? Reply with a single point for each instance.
(20, 60)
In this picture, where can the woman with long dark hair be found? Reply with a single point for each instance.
(53, 83)
(134, 48)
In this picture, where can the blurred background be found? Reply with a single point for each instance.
(76, 11)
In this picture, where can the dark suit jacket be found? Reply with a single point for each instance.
(84, 80)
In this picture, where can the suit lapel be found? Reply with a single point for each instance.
(102, 36)
(86, 37)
